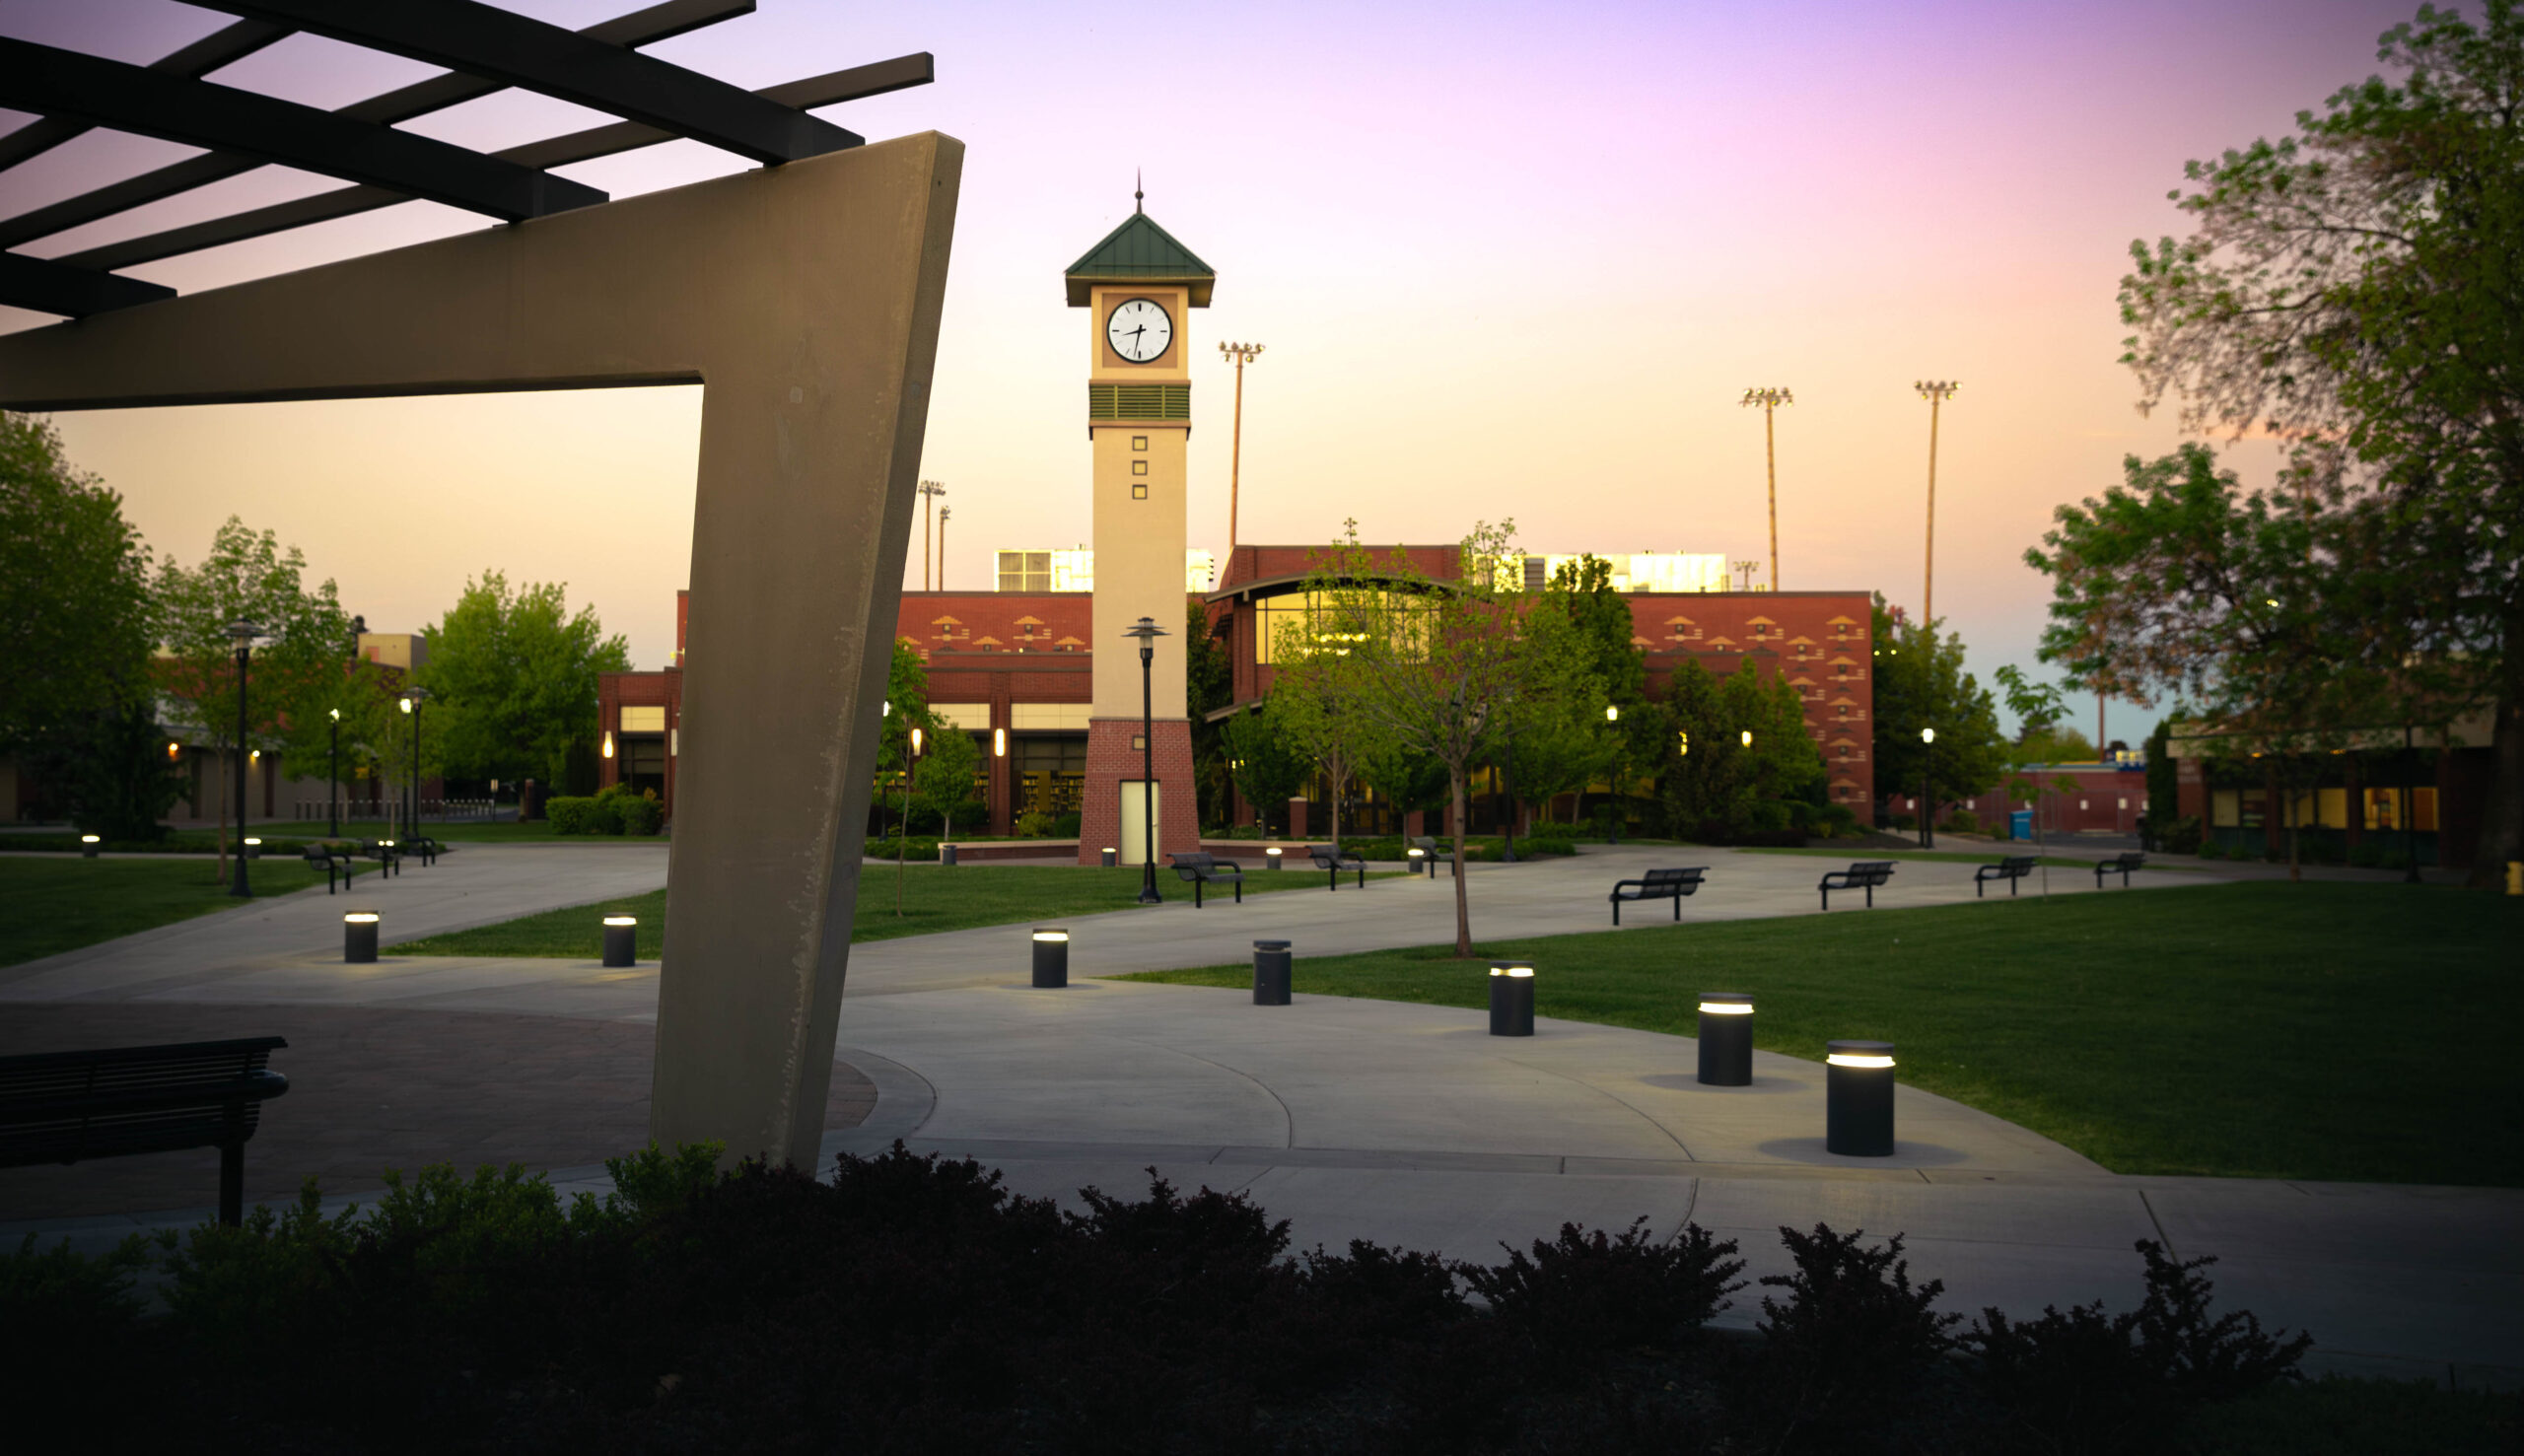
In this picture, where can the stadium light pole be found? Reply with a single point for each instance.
(1239, 355)
(929, 491)
(1770, 399)
(1935, 393)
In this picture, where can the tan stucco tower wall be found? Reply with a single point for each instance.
(806, 299)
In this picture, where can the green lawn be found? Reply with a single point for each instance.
(2333, 1031)
(48, 906)
(935, 898)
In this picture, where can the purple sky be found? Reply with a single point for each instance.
(1509, 260)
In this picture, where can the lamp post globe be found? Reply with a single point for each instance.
(1146, 632)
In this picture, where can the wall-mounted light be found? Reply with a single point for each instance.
(1682, 741)
(915, 740)
(173, 751)
(999, 742)
(1748, 737)
(608, 742)
(1612, 713)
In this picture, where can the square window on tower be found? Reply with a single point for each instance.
(1139, 490)
(1139, 441)
(1139, 467)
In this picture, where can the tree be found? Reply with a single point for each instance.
(1267, 767)
(1561, 739)
(74, 597)
(1919, 683)
(512, 679)
(2356, 291)
(906, 707)
(945, 778)
(1209, 682)
(2181, 582)
(1432, 665)
(2038, 704)
(298, 664)
(1318, 707)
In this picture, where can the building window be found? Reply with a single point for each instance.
(1139, 490)
(1139, 441)
(1024, 571)
(1139, 467)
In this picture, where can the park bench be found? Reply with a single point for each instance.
(333, 860)
(1208, 869)
(422, 845)
(1660, 884)
(1333, 858)
(1866, 875)
(1426, 844)
(65, 1107)
(2124, 864)
(388, 858)
(2012, 868)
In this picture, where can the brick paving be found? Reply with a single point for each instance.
(371, 1088)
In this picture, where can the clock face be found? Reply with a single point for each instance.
(1139, 330)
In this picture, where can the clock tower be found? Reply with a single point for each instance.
(1138, 287)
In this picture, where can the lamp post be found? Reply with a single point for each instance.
(413, 701)
(245, 633)
(333, 778)
(1770, 399)
(1240, 355)
(1148, 632)
(2410, 826)
(1612, 714)
(1935, 393)
(1928, 782)
(929, 491)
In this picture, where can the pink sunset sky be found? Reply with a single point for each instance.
(1509, 260)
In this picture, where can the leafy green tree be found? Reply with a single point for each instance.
(2356, 291)
(1267, 766)
(1919, 683)
(307, 644)
(943, 780)
(2040, 705)
(1739, 753)
(1580, 629)
(512, 679)
(74, 597)
(1433, 666)
(1209, 685)
(1318, 707)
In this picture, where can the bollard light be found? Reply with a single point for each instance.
(1109, 856)
(1725, 1039)
(1857, 1098)
(1051, 959)
(1271, 857)
(1271, 973)
(359, 937)
(88, 845)
(253, 849)
(621, 941)
(1512, 999)
(1417, 854)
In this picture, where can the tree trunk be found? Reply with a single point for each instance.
(1463, 907)
(2502, 838)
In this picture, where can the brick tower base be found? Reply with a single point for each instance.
(1111, 758)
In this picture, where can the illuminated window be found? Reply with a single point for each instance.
(1139, 490)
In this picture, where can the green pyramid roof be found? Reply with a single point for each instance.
(1140, 249)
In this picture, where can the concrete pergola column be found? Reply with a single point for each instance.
(804, 300)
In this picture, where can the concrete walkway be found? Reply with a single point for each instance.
(1407, 1124)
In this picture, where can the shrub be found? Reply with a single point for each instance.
(1905, 825)
(571, 815)
(1855, 1337)
(643, 815)
(1585, 1294)
(1033, 824)
(2185, 836)
(1066, 826)
(1835, 821)
(2085, 1382)
(1961, 821)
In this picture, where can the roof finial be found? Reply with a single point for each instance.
(1139, 184)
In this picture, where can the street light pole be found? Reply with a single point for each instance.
(1927, 782)
(2410, 826)
(1770, 399)
(1241, 355)
(1147, 631)
(1935, 393)
(412, 819)
(930, 490)
(245, 632)
(334, 779)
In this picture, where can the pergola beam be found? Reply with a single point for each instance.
(224, 47)
(640, 27)
(832, 88)
(57, 287)
(102, 93)
(503, 45)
